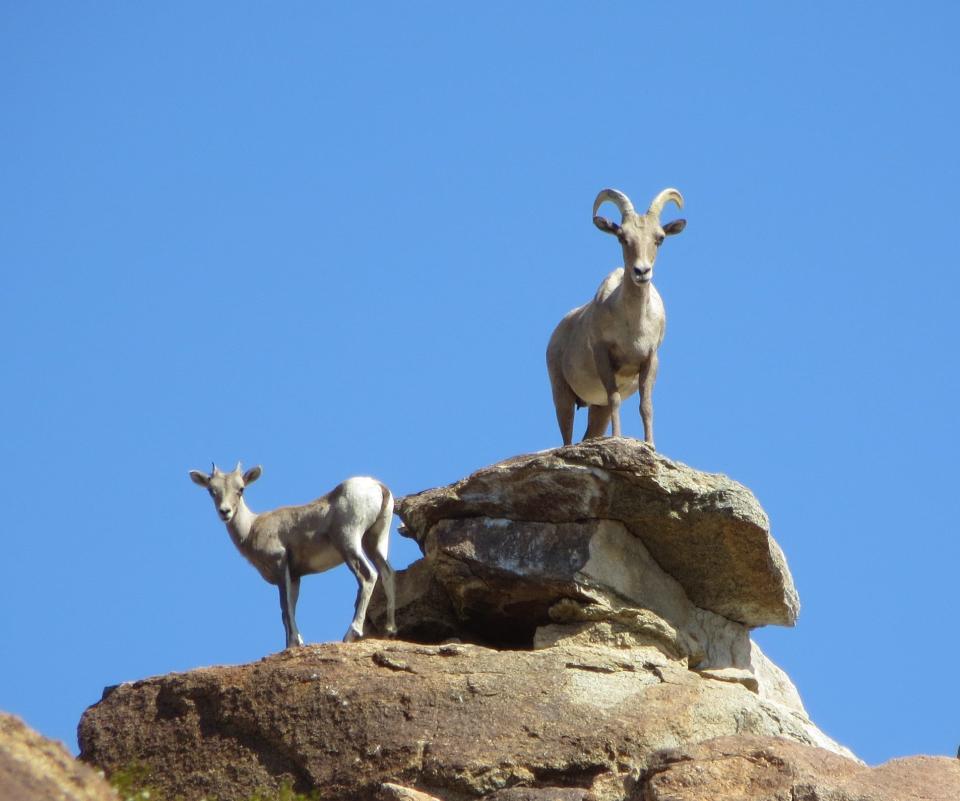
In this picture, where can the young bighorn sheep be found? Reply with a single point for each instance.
(349, 524)
(606, 349)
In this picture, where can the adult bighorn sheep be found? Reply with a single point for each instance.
(349, 524)
(605, 350)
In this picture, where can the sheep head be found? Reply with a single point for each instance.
(226, 489)
(640, 235)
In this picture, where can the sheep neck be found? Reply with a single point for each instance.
(241, 524)
(634, 295)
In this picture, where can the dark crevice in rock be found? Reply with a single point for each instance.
(545, 793)
(580, 776)
(592, 668)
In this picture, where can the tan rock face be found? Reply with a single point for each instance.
(33, 768)
(541, 517)
(769, 769)
(454, 721)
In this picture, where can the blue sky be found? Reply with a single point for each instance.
(334, 239)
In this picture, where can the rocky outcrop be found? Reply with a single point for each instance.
(770, 769)
(33, 768)
(454, 721)
(578, 628)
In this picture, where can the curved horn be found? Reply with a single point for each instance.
(661, 200)
(616, 197)
(214, 470)
(238, 468)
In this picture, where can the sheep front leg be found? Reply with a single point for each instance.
(608, 378)
(289, 595)
(647, 378)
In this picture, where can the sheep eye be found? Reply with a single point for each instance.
(240, 491)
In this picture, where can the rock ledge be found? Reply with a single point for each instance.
(704, 530)
(455, 721)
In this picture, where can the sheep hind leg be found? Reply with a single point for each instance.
(366, 579)
(607, 374)
(598, 419)
(375, 543)
(565, 402)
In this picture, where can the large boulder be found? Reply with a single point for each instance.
(608, 527)
(33, 768)
(454, 721)
(566, 520)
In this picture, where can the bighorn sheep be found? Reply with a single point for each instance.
(349, 524)
(606, 349)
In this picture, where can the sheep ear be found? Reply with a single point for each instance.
(674, 227)
(252, 475)
(198, 477)
(606, 226)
